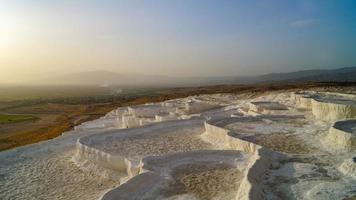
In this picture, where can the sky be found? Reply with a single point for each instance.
(41, 38)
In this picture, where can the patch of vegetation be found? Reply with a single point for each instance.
(5, 119)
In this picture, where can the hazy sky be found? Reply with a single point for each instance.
(174, 37)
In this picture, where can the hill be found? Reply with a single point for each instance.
(107, 78)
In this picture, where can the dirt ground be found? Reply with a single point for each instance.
(53, 120)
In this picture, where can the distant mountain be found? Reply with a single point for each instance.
(346, 74)
(107, 78)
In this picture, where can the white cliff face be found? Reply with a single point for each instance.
(331, 110)
(202, 147)
(342, 136)
(327, 106)
(170, 176)
(348, 167)
(120, 152)
(303, 99)
(263, 106)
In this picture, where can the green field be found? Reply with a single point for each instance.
(5, 119)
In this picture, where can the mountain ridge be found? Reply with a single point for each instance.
(108, 78)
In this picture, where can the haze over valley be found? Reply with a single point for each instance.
(108, 78)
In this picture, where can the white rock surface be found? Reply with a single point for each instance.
(269, 150)
(342, 136)
(158, 177)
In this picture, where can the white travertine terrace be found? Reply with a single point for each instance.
(111, 120)
(330, 108)
(161, 172)
(198, 106)
(345, 95)
(140, 115)
(120, 152)
(342, 135)
(202, 147)
(126, 155)
(265, 106)
(303, 99)
(327, 106)
(259, 162)
(348, 167)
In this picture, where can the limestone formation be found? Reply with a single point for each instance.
(342, 135)
(327, 106)
(151, 156)
(303, 100)
(266, 107)
(331, 108)
(202, 147)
